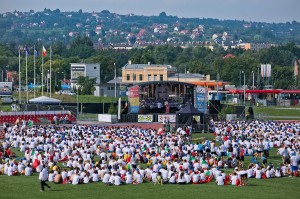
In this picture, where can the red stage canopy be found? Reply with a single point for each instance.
(265, 91)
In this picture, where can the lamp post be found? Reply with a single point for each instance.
(244, 94)
(115, 80)
(77, 114)
(252, 80)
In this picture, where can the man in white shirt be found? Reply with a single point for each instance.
(43, 176)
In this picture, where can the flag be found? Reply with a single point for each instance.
(26, 51)
(296, 68)
(32, 152)
(44, 52)
(36, 53)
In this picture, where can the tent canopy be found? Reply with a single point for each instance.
(185, 115)
(189, 109)
(45, 100)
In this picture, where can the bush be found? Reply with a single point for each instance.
(226, 110)
(112, 109)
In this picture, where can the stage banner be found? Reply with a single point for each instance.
(171, 118)
(201, 99)
(134, 99)
(145, 118)
(5, 88)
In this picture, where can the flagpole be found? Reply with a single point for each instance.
(26, 77)
(34, 71)
(42, 74)
(50, 68)
(19, 76)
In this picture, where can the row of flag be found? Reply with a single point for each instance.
(35, 51)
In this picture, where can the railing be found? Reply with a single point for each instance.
(16, 113)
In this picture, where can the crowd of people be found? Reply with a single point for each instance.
(83, 154)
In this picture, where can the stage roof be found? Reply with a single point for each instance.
(265, 91)
(164, 82)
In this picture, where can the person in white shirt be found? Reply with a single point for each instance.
(220, 180)
(172, 179)
(117, 179)
(95, 177)
(258, 173)
(43, 176)
(75, 180)
(181, 179)
(51, 176)
(28, 171)
(128, 178)
(234, 179)
(111, 180)
(196, 177)
(106, 177)
(86, 179)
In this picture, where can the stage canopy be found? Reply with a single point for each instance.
(44, 100)
(185, 115)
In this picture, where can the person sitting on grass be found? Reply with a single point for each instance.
(234, 179)
(220, 180)
(159, 179)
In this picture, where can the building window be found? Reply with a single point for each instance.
(141, 77)
(161, 77)
(149, 77)
(134, 77)
(155, 78)
(127, 77)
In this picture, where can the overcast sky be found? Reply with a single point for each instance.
(254, 10)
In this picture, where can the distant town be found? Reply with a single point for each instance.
(124, 32)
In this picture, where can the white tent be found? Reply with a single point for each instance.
(45, 100)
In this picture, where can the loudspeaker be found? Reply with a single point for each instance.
(214, 106)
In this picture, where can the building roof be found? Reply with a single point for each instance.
(119, 81)
(187, 75)
(142, 66)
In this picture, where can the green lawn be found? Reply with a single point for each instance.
(277, 113)
(28, 187)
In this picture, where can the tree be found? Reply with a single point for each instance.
(86, 85)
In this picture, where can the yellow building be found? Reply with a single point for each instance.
(137, 73)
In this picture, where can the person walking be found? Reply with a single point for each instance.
(43, 176)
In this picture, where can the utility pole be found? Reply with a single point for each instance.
(244, 94)
(115, 79)
(99, 80)
(218, 77)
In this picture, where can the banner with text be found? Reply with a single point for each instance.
(5, 88)
(201, 99)
(170, 118)
(145, 118)
(134, 99)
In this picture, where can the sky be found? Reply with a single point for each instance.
(248, 10)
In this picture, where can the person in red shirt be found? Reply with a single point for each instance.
(8, 153)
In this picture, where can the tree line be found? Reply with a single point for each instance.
(194, 59)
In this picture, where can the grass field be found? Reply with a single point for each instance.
(277, 113)
(28, 187)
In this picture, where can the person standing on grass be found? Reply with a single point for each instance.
(43, 176)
